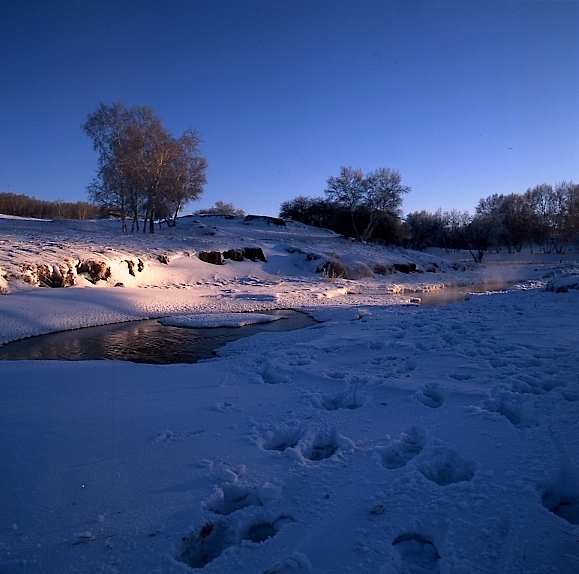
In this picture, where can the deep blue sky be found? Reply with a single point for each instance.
(464, 98)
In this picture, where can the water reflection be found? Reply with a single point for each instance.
(143, 341)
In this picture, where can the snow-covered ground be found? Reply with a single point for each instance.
(388, 438)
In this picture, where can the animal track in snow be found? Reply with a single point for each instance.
(443, 465)
(271, 374)
(321, 445)
(201, 547)
(567, 507)
(418, 554)
(431, 395)
(322, 450)
(562, 497)
(232, 497)
(402, 451)
(334, 401)
(280, 438)
(517, 408)
(438, 463)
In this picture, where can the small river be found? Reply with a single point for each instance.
(144, 341)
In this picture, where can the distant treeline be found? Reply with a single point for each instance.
(545, 216)
(24, 206)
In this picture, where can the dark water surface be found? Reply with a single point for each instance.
(143, 341)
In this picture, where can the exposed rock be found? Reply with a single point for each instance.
(333, 269)
(213, 257)
(131, 266)
(164, 258)
(380, 269)
(254, 253)
(266, 218)
(44, 275)
(217, 257)
(61, 275)
(3, 282)
(360, 271)
(405, 267)
(233, 254)
(97, 270)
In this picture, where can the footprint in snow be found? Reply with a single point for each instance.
(321, 445)
(280, 438)
(231, 497)
(271, 374)
(417, 554)
(201, 547)
(399, 453)
(561, 495)
(333, 401)
(204, 545)
(431, 395)
(438, 462)
(563, 504)
(517, 408)
(443, 465)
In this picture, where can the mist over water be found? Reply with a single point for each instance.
(457, 294)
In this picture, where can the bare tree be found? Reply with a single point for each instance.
(424, 229)
(143, 170)
(480, 235)
(371, 200)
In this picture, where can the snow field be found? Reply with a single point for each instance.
(386, 439)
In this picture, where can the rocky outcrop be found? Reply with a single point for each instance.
(333, 269)
(381, 269)
(164, 258)
(61, 275)
(233, 254)
(405, 267)
(97, 270)
(131, 266)
(254, 253)
(3, 282)
(213, 257)
(217, 257)
(65, 273)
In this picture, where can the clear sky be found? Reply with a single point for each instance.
(464, 98)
